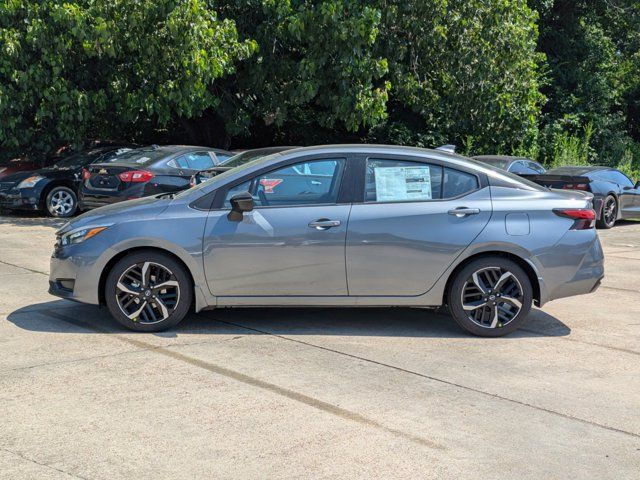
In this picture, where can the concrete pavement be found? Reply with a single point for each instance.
(316, 393)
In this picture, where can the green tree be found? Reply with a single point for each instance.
(316, 76)
(87, 68)
(463, 72)
(592, 50)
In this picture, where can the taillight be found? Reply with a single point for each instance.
(584, 218)
(86, 174)
(576, 186)
(136, 176)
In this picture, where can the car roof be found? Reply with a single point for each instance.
(500, 157)
(577, 170)
(375, 148)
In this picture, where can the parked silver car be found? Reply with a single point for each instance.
(345, 225)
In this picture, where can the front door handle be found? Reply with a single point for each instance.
(464, 211)
(324, 224)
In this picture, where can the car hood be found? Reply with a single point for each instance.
(130, 210)
(51, 173)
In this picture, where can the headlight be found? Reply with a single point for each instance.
(80, 235)
(30, 182)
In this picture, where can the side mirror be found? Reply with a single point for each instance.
(637, 186)
(241, 202)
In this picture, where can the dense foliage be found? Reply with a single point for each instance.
(553, 79)
(87, 68)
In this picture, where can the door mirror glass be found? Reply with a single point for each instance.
(637, 187)
(240, 203)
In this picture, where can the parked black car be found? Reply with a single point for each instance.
(235, 161)
(518, 165)
(53, 189)
(145, 171)
(615, 195)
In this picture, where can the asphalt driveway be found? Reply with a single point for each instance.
(316, 393)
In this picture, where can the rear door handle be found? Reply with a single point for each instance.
(463, 212)
(324, 224)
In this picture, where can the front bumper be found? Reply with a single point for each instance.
(18, 200)
(74, 273)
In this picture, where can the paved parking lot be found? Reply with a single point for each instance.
(316, 393)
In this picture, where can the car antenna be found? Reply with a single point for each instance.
(447, 148)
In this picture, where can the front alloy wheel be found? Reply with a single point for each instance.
(490, 296)
(148, 291)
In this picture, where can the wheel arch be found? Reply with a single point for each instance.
(520, 261)
(50, 186)
(120, 255)
(616, 197)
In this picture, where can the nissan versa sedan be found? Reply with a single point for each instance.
(360, 225)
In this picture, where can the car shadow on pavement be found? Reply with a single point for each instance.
(62, 316)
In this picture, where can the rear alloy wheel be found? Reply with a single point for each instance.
(490, 297)
(148, 291)
(609, 212)
(61, 202)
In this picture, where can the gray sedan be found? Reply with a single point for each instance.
(345, 225)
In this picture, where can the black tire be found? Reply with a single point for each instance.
(485, 322)
(609, 213)
(159, 302)
(61, 202)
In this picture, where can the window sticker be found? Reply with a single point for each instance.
(396, 184)
(270, 183)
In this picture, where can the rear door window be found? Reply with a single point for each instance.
(402, 181)
(200, 161)
(457, 183)
(408, 181)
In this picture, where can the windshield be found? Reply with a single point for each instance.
(74, 160)
(140, 156)
(496, 162)
(232, 171)
(249, 155)
(515, 180)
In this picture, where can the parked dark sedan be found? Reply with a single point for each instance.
(145, 171)
(241, 158)
(518, 165)
(53, 189)
(613, 190)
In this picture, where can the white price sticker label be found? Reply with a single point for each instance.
(397, 184)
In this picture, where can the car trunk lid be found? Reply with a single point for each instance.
(112, 176)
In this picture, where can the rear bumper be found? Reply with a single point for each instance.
(574, 266)
(90, 199)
